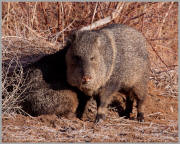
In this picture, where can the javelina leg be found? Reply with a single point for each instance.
(129, 104)
(83, 99)
(103, 99)
(140, 94)
(140, 114)
(102, 103)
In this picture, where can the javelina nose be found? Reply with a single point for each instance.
(86, 79)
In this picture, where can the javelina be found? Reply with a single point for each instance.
(102, 62)
(47, 91)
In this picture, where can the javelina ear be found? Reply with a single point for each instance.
(70, 39)
(98, 41)
(72, 36)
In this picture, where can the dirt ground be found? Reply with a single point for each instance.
(161, 125)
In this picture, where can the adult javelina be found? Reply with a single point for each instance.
(108, 60)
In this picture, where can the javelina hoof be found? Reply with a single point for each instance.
(127, 115)
(99, 117)
(140, 117)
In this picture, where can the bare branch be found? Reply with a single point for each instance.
(105, 20)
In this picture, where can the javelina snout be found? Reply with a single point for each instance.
(86, 79)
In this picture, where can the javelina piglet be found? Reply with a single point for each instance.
(111, 59)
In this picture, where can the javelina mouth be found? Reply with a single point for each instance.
(87, 91)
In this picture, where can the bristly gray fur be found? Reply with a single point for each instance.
(47, 91)
(111, 59)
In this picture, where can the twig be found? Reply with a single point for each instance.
(105, 20)
(156, 113)
(161, 38)
(157, 54)
(62, 11)
(169, 49)
(95, 10)
(135, 17)
(58, 15)
(167, 13)
(144, 11)
(44, 12)
(33, 17)
(102, 15)
(58, 33)
(42, 38)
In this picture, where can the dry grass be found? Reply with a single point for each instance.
(12, 86)
(38, 28)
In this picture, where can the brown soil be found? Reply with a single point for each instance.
(160, 126)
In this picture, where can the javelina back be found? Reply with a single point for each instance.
(102, 62)
(47, 91)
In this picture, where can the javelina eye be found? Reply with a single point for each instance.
(77, 58)
(92, 58)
